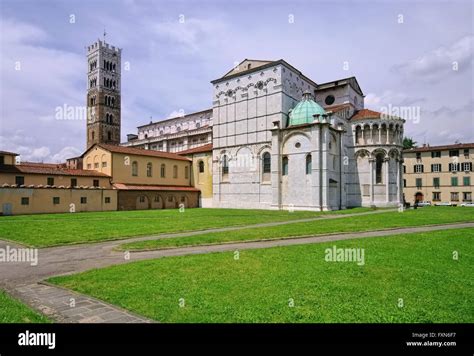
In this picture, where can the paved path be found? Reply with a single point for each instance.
(65, 306)
(24, 281)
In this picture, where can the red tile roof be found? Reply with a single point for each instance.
(48, 169)
(122, 186)
(200, 149)
(441, 148)
(142, 152)
(366, 114)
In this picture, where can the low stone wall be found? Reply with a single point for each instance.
(144, 199)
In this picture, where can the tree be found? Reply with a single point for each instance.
(408, 143)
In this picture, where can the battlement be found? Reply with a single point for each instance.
(102, 44)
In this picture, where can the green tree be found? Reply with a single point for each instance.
(408, 143)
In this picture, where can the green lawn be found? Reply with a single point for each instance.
(60, 229)
(13, 311)
(424, 216)
(418, 271)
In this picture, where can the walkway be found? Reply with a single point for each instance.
(25, 281)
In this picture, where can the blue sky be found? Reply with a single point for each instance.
(173, 61)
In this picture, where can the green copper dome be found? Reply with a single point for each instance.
(303, 112)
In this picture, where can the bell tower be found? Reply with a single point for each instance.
(103, 93)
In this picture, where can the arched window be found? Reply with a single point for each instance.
(284, 166)
(149, 169)
(134, 168)
(175, 171)
(163, 171)
(266, 162)
(201, 167)
(109, 135)
(92, 135)
(225, 165)
(113, 68)
(308, 164)
(111, 118)
(186, 172)
(378, 168)
(113, 102)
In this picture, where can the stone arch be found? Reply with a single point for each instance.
(361, 154)
(394, 153)
(378, 151)
(293, 133)
(171, 202)
(244, 160)
(142, 202)
(358, 135)
(157, 202)
(183, 199)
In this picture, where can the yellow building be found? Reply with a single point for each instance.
(439, 174)
(144, 179)
(29, 188)
(201, 177)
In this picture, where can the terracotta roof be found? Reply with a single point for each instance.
(48, 169)
(337, 107)
(441, 148)
(122, 186)
(366, 114)
(8, 153)
(41, 164)
(142, 152)
(200, 149)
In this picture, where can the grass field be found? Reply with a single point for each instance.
(424, 216)
(60, 229)
(405, 278)
(13, 311)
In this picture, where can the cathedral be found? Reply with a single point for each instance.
(278, 140)
(273, 139)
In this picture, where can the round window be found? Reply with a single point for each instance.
(329, 100)
(297, 145)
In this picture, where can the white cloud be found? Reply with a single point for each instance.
(435, 65)
(389, 97)
(65, 153)
(192, 33)
(47, 78)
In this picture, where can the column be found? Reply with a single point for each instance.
(316, 166)
(387, 180)
(275, 167)
(324, 166)
(371, 167)
(398, 181)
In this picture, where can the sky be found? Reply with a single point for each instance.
(414, 55)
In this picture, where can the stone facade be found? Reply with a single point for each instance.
(322, 165)
(176, 134)
(141, 200)
(103, 94)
